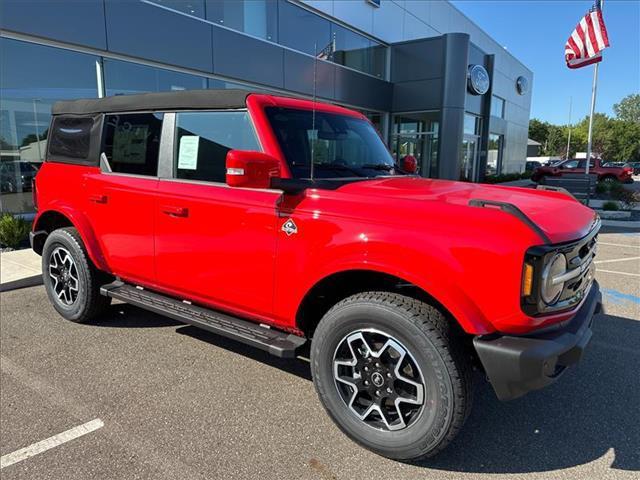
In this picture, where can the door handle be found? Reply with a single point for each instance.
(98, 198)
(175, 211)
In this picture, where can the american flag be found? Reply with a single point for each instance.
(587, 40)
(327, 52)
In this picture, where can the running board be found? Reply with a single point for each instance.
(275, 342)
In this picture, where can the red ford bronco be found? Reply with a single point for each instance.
(281, 222)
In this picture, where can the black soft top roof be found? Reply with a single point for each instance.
(179, 100)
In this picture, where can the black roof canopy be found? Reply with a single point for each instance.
(179, 100)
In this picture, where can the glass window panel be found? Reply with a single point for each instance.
(416, 134)
(494, 155)
(71, 137)
(497, 107)
(421, 122)
(132, 141)
(32, 78)
(351, 50)
(303, 30)
(192, 7)
(203, 140)
(358, 52)
(472, 124)
(378, 60)
(122, 78)
(254, 17)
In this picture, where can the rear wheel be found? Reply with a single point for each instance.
(72, 282)
(390, 375)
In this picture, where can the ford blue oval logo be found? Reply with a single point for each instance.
(478, 80)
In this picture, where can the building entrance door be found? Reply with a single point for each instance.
(469, 158)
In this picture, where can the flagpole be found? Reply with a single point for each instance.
(569, 137)
(594, 87)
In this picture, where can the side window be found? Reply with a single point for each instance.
(571, 164)
(131, 142)
(71, 137)
(203, 140)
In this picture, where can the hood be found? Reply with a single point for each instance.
(561, 217)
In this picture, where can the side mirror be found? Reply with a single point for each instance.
(409, 164)
(250, 169)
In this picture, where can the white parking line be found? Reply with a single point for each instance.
(51, 442)
(618, 245)
(617, 260)
(619, 273)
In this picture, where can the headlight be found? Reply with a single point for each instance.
(549, 289)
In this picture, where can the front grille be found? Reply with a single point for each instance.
(580, 256)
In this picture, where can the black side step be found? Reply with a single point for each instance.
(275, 342)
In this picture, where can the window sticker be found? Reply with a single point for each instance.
(188, 152)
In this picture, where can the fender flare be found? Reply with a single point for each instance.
(452, 298)
(81, 223)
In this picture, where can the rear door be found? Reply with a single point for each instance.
(214, 244)
(121, 197)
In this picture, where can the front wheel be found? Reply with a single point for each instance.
(390, 374)
(72, 282)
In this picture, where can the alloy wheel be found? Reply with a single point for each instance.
(378, 380)
(64, 275)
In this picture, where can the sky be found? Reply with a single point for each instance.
(536, 31)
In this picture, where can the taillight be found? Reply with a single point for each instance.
(34, 193)
(627, 169)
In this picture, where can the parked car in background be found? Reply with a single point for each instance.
(596, 167)
(531, 165)
(635, 166)
(16, 176)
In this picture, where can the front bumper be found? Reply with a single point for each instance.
(516, 365)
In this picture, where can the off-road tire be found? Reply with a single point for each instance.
(430, 339)
(88, 304)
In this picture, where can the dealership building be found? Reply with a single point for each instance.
(435, 85)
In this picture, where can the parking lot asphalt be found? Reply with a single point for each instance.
(178, 402)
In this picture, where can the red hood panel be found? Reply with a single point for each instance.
(561, 218)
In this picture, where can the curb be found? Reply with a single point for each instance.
(26, 282)
(635, 225)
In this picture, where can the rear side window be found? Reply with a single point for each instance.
(203, 140)
(131, 142)
(71, 137)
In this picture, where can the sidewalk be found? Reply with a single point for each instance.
(18, 269)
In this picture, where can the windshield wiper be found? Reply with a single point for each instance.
(378, 166)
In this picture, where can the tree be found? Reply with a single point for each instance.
(538, 131)
(628, 109)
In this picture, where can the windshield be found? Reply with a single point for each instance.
(343, 146)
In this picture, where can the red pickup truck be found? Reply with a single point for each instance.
(596, 167)
(282, 223)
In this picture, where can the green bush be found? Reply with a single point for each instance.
(13, 230)
(610, 206)
(625, 196)
(602, 187)
(504, 177)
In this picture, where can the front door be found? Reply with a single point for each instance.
(215, 244)
(121, 198)
(469, 158)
